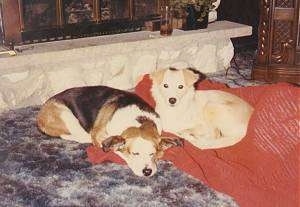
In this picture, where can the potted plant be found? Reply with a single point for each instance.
(193, 12)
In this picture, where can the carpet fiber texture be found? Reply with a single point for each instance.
(36, 170)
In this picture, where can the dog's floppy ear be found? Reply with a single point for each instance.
(113, 142)
(167, 142)
(190, 77)
(201, 76)
(158, 76)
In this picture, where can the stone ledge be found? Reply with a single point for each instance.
(44, 53)
(117, 60)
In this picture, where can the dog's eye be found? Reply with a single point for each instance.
(166, 85)
(180, 86)
(152, 154)
(136, 153)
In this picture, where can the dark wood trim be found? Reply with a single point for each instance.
(273, 74)
(297, 34)
(21, 12)
(96, 11)
(131, 13)
(12, 34)
(59, 13)
(284, 14)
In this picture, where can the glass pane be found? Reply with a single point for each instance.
(39, 13)
(78, 11)
(143, 8)
(114, 9)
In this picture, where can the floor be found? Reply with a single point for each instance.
(239, 74)
(36, 170)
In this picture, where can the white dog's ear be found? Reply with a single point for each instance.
(158, 76)
(190, 77)
(112, 143)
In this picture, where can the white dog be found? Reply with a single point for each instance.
(206, 118)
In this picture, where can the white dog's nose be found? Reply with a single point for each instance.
(172, 100)
(147, 171)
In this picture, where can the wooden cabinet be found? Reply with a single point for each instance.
(278, 55)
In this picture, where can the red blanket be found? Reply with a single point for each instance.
(262, 169)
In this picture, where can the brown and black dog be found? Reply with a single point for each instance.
(109, 118)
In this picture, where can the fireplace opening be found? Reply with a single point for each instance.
(44, 20)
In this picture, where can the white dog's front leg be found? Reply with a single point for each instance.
(208, 143)
(208, 139)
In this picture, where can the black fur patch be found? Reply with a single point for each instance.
(143, 119)
(173, 69)
(85, 102)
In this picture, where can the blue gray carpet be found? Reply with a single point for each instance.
(36, 170)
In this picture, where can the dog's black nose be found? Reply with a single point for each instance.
(147, 171)
(172, 100)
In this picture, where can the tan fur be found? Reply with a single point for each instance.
(49, 121)
(147, 131)
(189, 77)
(158, 76)
(98, 132)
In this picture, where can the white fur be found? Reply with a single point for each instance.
(145, 157)
(126, 117)
(122, 119)
(178, 117)
(208, 119)
(181, 115)
(77, 133)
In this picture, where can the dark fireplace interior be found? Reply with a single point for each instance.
(78, 11)
(39, 14)
(114, 10)
(143, 7)
(44, 20)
